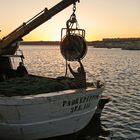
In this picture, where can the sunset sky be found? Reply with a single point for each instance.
(100, 18)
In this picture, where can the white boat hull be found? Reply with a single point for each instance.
(47, 115)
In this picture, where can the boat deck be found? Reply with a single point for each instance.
(32, 85)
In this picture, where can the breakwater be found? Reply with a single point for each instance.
(124, 43)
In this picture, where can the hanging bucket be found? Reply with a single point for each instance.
(73, 47)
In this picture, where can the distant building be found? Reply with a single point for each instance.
(124, 43)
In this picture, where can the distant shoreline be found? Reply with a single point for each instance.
(89, 43)
(124, 43)
(40, 43)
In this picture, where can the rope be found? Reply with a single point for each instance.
(66, 68)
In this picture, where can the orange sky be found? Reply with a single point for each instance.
(100, 18)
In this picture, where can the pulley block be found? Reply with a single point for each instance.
(73, 45)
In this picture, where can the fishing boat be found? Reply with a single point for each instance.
(28, 111)
(48, 114)
(55, 110)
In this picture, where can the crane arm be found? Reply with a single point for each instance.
(8, 45)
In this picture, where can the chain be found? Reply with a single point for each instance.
(73, 16)
(74, 7)
(72, 20)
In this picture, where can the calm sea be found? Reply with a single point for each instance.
(119, 69)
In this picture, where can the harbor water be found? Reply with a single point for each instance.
(118, 69)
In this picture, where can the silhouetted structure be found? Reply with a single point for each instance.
(124, 43)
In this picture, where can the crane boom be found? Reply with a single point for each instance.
(8, 45)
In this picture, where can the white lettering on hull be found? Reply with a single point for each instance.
(79, 103)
